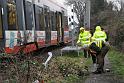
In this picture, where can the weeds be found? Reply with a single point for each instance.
(69, 68)
(117, 61)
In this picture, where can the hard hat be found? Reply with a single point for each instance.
(81, 28)
(98, 28)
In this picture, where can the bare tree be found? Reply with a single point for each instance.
(79, 8)
(122, 6)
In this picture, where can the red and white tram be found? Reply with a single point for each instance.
(32, 23)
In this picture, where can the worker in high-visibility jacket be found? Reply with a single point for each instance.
(99, 48)
(84, 40)
(99, 36)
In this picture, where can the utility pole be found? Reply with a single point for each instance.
(87, 14)
(72, 25)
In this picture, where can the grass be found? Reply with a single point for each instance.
(72, 67)
(117, 61)
(69, 68)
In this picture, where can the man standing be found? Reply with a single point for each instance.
(84, 39)
(99, 48)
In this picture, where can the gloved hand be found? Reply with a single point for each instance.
(107, 44)
(93, 52)
(78, 41)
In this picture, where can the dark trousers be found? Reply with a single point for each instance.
(86, 53)
(93, 58)
(100, 58)
(95, 48)
(100, 54)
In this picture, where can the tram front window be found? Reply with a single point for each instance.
(11, 10)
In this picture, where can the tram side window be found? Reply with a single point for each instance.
(45, 21)
(46, 16)
(53, 21)
(41, 20)
(66, 20)
(28, 15)
(11, 10)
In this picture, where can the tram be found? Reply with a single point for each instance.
(32, 23)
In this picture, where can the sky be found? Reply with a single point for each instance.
(115, 2)
(69, 8)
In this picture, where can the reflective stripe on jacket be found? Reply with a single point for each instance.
(99, 36)
(84, 38)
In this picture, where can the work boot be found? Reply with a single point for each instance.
(98, 72)
(94, 67)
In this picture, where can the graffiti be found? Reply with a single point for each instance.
(53, 35)
(29, 36)
(40, 36)
(12, 37)
(66, 33)
(19, 39)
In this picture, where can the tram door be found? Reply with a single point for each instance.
(47, 25)
(59, 26)
(1, 28)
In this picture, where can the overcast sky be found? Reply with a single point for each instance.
(62, 1)
(69, 8)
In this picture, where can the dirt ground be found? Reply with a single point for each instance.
(107, 77)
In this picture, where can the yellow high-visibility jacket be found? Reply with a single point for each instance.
(99, 36)
(84, 38)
